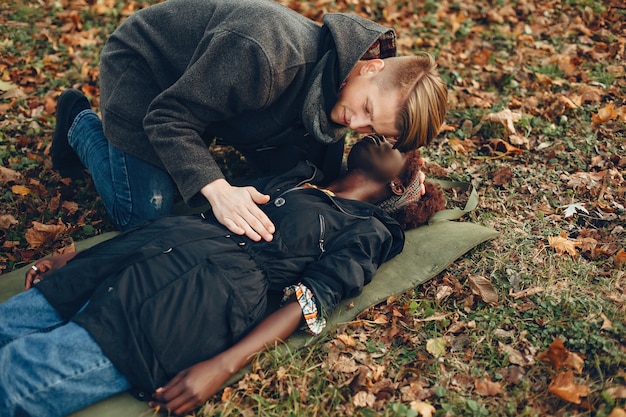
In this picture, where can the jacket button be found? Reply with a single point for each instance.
(168, 250)
(110, 289)
(141, 394)
(279, 202)
(242, 243)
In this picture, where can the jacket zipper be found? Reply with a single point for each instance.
(322, 235)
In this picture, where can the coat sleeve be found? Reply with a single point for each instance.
(349, 264)
(210, 90)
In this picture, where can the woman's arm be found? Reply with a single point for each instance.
(193, 386)
(44, 266)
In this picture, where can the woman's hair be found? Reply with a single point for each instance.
(411, 209)
(426, 103)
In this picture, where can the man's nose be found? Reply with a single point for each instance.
(360, 124)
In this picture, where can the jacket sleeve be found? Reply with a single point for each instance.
(210, 90)
(349, 264)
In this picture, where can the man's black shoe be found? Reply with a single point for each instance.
(64, 159)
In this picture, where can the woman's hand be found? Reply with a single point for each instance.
(193, 386)
(237, 209)
(43, 267)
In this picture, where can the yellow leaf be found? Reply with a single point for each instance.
(424, 409)
(20, 190)
(563, 386)
(436, 346)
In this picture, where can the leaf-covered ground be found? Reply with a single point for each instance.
(529, 324)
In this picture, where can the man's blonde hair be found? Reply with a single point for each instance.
(426, 99)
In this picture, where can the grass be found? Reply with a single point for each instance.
(375, 367)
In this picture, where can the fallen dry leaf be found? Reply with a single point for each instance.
(7, 175)
(563, 244)
(363, 399)
(506, 117)
(559, 357)
(617, 412)
(563, 386)
(41, 233)
(423, 408)
(482, 287)
(617, 392)
(620, 259)
(20, 190)
(436, 346)
(605, 114)
(7, 220)
(487, 388)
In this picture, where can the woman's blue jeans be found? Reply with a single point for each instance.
(49, 367)
(131, 190)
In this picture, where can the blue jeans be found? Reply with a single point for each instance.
(131, 189)
(49, 367)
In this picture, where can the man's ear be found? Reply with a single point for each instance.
(372, 66)
(396, 187)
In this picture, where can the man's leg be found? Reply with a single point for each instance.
(55, 373)
(132, 190)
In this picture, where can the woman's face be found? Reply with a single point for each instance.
(363, 106)
(376, 156)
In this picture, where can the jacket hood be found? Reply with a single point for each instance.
(346, 40)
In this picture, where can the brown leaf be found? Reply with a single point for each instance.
(488, 388)
(563, 386)
(363, 399)
(482, 287)
(7, 175)
(70, 207)
(502, 176)
(605, 114)
(563, 244)
(617, 392)
(505, 117)
(617, 412)
(558, 356)
(41, 233)
(7, 220)
(506, 148)
(620, 259)
(462, 146)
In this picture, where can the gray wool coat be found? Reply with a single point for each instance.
(253, 73)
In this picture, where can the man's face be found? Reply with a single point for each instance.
(364, 107)
(377, 157)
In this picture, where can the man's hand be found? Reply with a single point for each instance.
(237, 209)
(193, 386)
(44, 266)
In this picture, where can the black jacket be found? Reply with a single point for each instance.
(179, 290)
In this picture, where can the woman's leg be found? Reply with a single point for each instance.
(55, 373)
(132, 190)
(25, 313)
